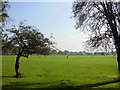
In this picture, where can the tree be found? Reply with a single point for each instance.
(6, 47)
(102, 19)
(29, 41)
(14, 50)
(4, 5)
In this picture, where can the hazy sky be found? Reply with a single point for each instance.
(50, 17)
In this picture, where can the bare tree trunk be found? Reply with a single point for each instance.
(118, 59)
(18, 75)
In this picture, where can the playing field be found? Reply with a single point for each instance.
(61, 72)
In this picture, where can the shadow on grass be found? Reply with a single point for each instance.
(63, 84)
(98, 84)
(22, 76)
(6, 76)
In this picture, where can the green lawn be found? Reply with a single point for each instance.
(61, 72)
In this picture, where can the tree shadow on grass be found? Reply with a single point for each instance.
(11, 76)
(62, 84)
(99, 84)
(6, 76)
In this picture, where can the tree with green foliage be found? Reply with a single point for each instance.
(14, 50)
(4, 5)
(29, 40)
(102, 19)
(6, 47)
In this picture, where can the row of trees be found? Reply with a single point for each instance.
(66, 52)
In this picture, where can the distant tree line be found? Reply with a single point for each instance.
(66, 52)
(9, 49)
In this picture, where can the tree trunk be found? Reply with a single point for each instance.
(118, 59)
(113, 25)
(18, 75)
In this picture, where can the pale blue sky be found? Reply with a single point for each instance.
(50, 17)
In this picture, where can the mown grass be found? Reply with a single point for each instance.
(61, 72)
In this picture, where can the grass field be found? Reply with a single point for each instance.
(61, 72)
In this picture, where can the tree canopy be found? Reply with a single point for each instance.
(98, 17)
(4, 5)
(28, 39)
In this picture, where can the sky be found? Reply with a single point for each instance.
(51, 17)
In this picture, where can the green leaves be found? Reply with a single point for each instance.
(29, 40)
